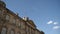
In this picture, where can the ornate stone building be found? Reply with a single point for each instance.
(11, 23)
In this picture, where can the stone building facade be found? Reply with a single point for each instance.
(11, 23)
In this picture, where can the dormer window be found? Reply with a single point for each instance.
(7, 17)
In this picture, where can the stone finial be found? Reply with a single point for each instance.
(25, 18)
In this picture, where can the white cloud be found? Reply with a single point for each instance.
(56, 27)
(50, 22)
(55, 23)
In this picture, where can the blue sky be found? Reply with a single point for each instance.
(44, 13)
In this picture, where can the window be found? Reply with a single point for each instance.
(0, 11)
(27, 31)
(22, 25)
(14, 21)
(19, 24)
(32, 31)
(18, 33)
(12, 32)
(7, 17)
(3, 31)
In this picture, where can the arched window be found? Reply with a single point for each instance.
(7, 17)
(3, 31)
(11, 32)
